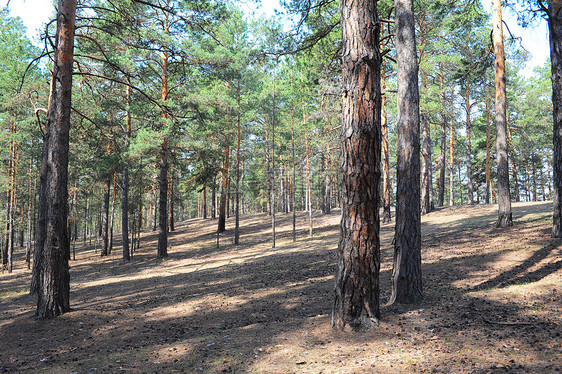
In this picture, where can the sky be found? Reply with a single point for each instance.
(35, 13)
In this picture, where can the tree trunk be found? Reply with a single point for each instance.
(214, 199)
(555, 36)
(105, 219)
(469, 146)
(171, 223)
(273, 167)
(308, 186)
(488, 149)
(163, 203)
(125, 185)
(205, 201)
(238, 136)
(53, 246)
(224, 187)
(406, 272)
(426, 182)
(442, 156)
(356, 303)
(504, 200)
(386, 215)
(452, 150)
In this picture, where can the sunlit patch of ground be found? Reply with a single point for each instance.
(492, 303)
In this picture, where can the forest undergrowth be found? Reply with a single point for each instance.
(492, 303)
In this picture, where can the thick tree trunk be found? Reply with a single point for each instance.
(504, 200)
(163, 205)
(356, 303)
(406, 272)
(555, 35)
(53, 244)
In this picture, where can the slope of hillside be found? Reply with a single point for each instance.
(492, 303)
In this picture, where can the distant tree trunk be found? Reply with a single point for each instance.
(273, 167)
(171, 223)
(554, 13)
(224, 186)
(386, 215)
(426, 184)
(293, 184)
(468, 146)
(504, 201)
(516, 187)
(488, 149)
(205, 201)
(105, 219)
(534, 171)
(452, 150)
(214, 199)
(154, 206)
(28, 245)
(356, 303)
(238, 138)
(426, 180)
(51, 271)
(125, 184)
(308, 185)
(442, 156)
(112, 215)
(406, 272)
(163, 211)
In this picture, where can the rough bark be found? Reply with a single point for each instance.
(504, 200)
(356, 303)
(555, 36)
(406, 272)
(53, 244)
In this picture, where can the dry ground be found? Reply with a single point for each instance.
(493, 304)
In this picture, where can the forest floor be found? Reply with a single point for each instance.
(492, 303)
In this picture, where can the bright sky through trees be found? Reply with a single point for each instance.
(34, 13)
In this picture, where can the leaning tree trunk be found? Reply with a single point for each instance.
(51, 269)
(356, 303)
(504, 200)
(406, 272)
(555, 33)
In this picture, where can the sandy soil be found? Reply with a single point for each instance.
(492, 303)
